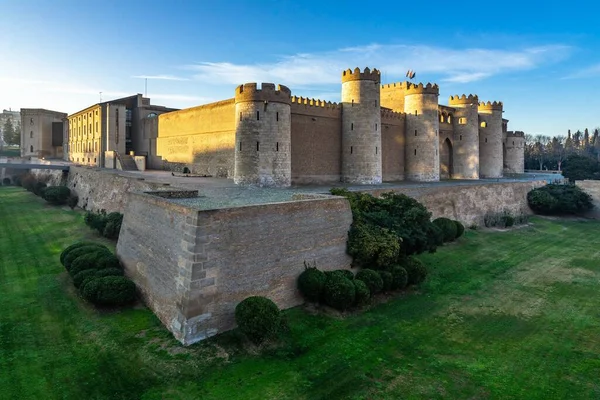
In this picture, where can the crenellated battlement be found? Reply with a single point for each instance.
(390, 114)
(315, 107)
(367, 75)
(429, 88)
(464, 99)
(267, 92)
(515, 134)
(496, 105)
(395, 85)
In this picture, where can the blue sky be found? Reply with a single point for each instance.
(541, 59)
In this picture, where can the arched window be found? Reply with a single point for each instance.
(449, 118)
(153, 114)
(483, 124)
(31, 149)
(462, 121)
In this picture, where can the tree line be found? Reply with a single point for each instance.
(549, 153)
(11, 133)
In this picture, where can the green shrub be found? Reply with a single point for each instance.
(372, 279)
(73, 254)
(109, 291)
(362, 293)
(100, 273)
(258, 318)
(386, 277)
(86, 261)
(108, 260)
(28, 181)
(339, 292)
(399, 277)
(372, 245)
(460, 229)
(554, 199)
(378, 222)
(346, 273)
(508, 220)
(97, 273)
(448, 228)
(96, 220)
(416, 270)
(311, 282)
(56, 195)
(72, 201)
(113, 225)
(39, 188)
(80, 277)
(436, 234)
(75, 246)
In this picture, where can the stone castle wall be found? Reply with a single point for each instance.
(490, 140)
(392, 145)
(209, 261)
(316, 141)
(201, 138)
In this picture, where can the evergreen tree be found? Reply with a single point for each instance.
(11, 135)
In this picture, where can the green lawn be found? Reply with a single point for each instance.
(503, 315)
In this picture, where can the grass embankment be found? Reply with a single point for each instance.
(502, 315)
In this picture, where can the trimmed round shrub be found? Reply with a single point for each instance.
(258, 318)
(508, 220)
(346, 273)
(310, 283)
(79, 278)
(109, 291)
(362, 293)
(386, 277)
(75, 246)
(113, 225)
(6, 181)
(559, 199)
(39, 188)
(98, 273)
(417, 272)
(56, 195)
(448, 228)
(86, 261)
(339, 292)
(372, 279)
(72, 201)
(460, 229)
(436, 234)
(108, 260)
(73, 254)
(399, 277)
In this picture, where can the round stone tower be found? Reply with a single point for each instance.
(422, 160)
(361, 127)
(514, 153)
(466, 137)
(263, 135)
(490, 140)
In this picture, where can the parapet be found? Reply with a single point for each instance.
(368, 75)
(463, 100)
(268, 92)
(387, 114)
(316, 107)
(412, 88)
(517, 134)
(496, 105)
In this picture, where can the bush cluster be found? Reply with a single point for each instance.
(97, 273)
(504, 219)
(107, 225)
(385, 229)
(56, 195)
(556, 199)
(258, 318)
(341, 289)
(577, 167)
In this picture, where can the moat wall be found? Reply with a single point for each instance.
(593, 189)
(193, 267)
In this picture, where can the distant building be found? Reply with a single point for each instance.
(104, 133)
(6, 115)
(42, 133)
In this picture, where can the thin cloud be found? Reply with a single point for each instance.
(588, 72)
(450, 65)
(161, 77)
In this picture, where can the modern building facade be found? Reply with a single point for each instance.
(42, 133)
(104, 133)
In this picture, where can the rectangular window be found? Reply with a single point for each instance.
(415, 132)
(277, 146)
(258, 115)
(352, 126)
(376, 150)
(240, 116)
(351, 149)
(277, 116)
(486, 140)
(257, 146)
(375, 127)
(415, 152)
(240, 146)
(460, 137)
